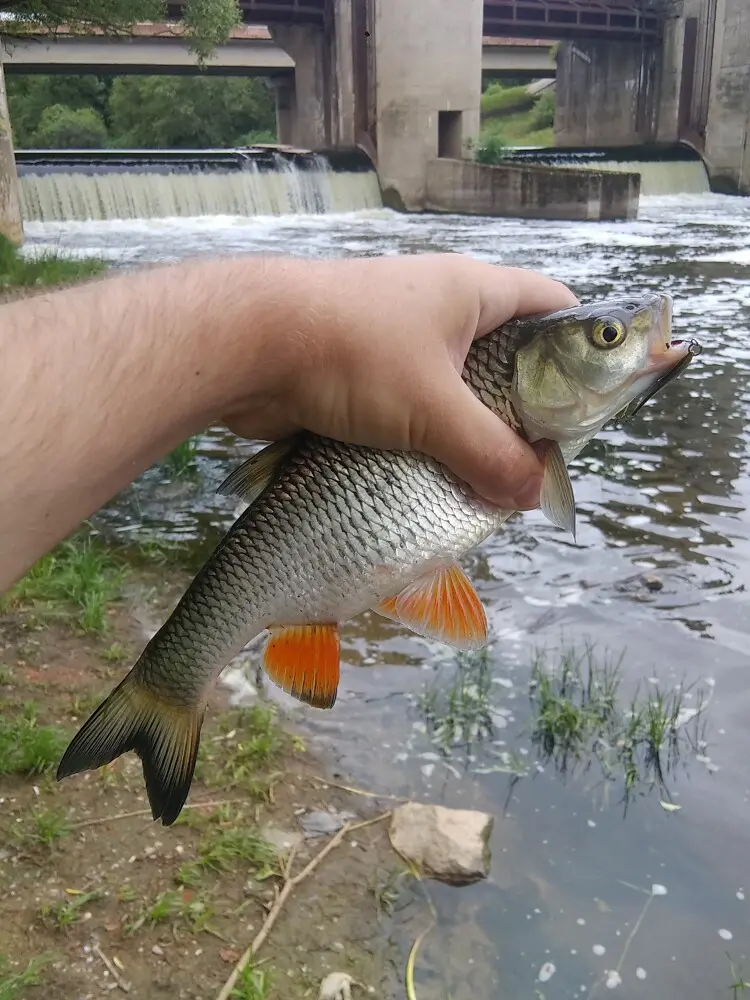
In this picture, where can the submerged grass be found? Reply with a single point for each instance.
(79, 579)
(460, 715)
(579, 718)
(181, 461)
(47, 268)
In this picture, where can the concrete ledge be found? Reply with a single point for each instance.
(532, 192)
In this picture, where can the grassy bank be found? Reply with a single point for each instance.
(513, 117)
(91, 891)
(43, 269)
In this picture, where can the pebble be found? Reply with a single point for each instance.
(157, 950)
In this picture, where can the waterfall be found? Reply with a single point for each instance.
(66, 193)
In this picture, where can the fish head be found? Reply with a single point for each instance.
(577, 368)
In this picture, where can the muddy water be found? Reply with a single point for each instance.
(658, 576)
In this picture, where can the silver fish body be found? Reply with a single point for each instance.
(334, 529)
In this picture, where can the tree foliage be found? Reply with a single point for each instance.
(187, 112)
(208, 23)
(140, 111)
(61, 127)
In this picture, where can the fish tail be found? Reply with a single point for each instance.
(166, 737)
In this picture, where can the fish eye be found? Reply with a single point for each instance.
(608, 333)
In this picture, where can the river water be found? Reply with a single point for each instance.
(646, 902)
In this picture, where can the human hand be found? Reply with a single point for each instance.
(374, 354)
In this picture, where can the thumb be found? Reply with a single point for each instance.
(458, 430)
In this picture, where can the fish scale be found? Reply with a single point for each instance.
(333, 529)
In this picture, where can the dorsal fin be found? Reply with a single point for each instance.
(251, 478)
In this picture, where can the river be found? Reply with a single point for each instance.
(646, 901)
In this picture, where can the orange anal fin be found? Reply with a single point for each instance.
(304, 661)
(443, 605)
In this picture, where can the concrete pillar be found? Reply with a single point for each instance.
(309, 114)
(285, 98)
(343, 74)
(11, 224)
(607, 93)
(428, 64)
(727, 150)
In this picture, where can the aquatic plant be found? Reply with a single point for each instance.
(181, 461)
(579, 718)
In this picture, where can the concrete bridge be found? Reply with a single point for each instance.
(251, 51)
(402, 77)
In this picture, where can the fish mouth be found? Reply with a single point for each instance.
(667, 360)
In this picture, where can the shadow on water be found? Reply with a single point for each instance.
(585, 896)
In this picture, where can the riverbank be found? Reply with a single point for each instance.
(92, 892)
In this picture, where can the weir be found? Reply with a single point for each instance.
(664, 169)
(147, 184)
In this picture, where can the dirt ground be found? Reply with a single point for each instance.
(109, 901)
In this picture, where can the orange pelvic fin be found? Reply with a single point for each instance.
(443, 605)
(304, 661)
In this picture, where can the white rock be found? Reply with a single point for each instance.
(450, 845)
(336, 986)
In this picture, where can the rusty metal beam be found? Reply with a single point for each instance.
(571, 19)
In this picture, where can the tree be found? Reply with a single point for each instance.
(61, 127)
(30, 96)
(207, 23)
(182, 112)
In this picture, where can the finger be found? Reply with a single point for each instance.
(515, 291)
(458, 430)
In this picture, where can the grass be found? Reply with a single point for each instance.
(68, 912)
(460, 714)
(253, 983)
(79, 579)
(500, 100)
(27, 748)
(511, 117)
(13, 984)
(579, 717)
(226, 849)
(249, 742)
(173, 906)
(47, 827)
(181, 462)
(48, 268)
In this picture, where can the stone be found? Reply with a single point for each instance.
(450, 845)
(282, 840)
(318, 823)
(337, 986)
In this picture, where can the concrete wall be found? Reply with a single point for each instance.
(11, 224)
(607, 93)
(304, 113)
(530, 192)
(726, 148)
(428, 57)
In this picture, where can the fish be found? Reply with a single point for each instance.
(334, 529)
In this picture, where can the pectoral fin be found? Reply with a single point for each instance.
(251, 478)
(442, 605)
(304, 661)
(556, 500)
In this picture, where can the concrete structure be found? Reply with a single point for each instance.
(530, 191)
(427, 95)
(251, 51)
(693, 86)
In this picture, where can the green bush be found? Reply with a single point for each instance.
(543, 112)
(61, 127)
(491, 148)
(499, 100)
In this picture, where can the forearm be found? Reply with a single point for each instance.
(99, 381)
